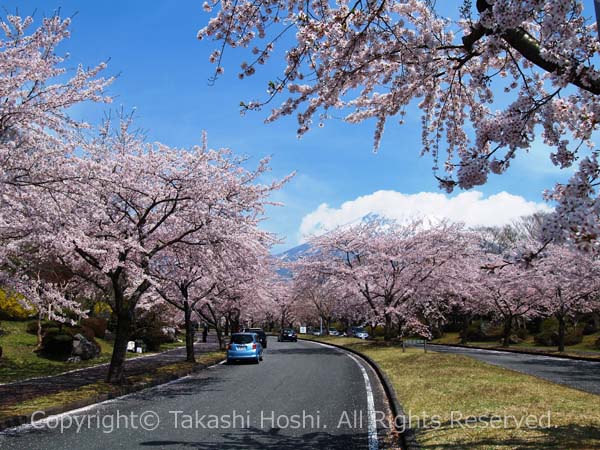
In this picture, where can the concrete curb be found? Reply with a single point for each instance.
(407, 435)
(15, 421)
(512, 350)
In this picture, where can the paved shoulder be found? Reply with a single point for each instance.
(583, 375)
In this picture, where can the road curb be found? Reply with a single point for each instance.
(407, 435)
(15, 421)
(512, 350)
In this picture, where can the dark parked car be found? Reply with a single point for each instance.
(287, 334)
(262, 337)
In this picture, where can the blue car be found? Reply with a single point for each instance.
(244, 347)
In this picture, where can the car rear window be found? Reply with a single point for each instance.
(241, 339)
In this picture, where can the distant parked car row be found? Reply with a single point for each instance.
(358, 332)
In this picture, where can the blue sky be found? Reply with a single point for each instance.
(164, 70)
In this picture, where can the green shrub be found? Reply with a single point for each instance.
(548, 337)
(153, 338)
(148, 328)
(56, 343)
(32, 326)
(378, 331)
(473, 332)
(97, 324)
(102, 310)
(574, 336)
(549, 324)
(521, 333)
(589, 325)
(11, 308)
(86, 332)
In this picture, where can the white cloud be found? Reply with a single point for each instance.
(472, 208)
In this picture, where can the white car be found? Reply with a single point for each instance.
(333, 332)
(358, 332)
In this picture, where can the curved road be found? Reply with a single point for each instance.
(303, 395)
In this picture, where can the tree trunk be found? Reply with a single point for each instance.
(389, 328)
(465, 328)
(116, 373)
(189, 333)
(506, 332)
(596, 319)
(39, 333)
(226, 326)
(561, 333)
(219, 336)
(235, 324)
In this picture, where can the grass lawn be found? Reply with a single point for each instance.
(92, 393)
(19, 362)
(454, 387)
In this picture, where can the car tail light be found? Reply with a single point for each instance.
(253, 346)
(228, 346)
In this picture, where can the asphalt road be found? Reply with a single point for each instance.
(302, 395)
(583, 375)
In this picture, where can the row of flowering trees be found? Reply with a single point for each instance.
(87, 213)
(411, 277)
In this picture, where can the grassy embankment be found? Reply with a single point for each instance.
(454, 387)
(94, 392)
(19, 362)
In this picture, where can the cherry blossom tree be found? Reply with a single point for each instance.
(508, 293)
(36, 91)
(569, 286)
(321, 295)
(183, 277)
(392, 266)
(509, 70)
(241, 288)
(130, 203)
(55, 301)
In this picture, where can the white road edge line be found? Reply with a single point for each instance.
(373, 442)
(372, 425)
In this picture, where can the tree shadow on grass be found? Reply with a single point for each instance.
(572, 437)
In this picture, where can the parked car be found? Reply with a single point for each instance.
(287, 334)
(358, 332)
(333, 332)
(262, 336)
(244, 346)
(316, 332)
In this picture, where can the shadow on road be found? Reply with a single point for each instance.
(183, 387)
(304, 351)
(273, 439)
